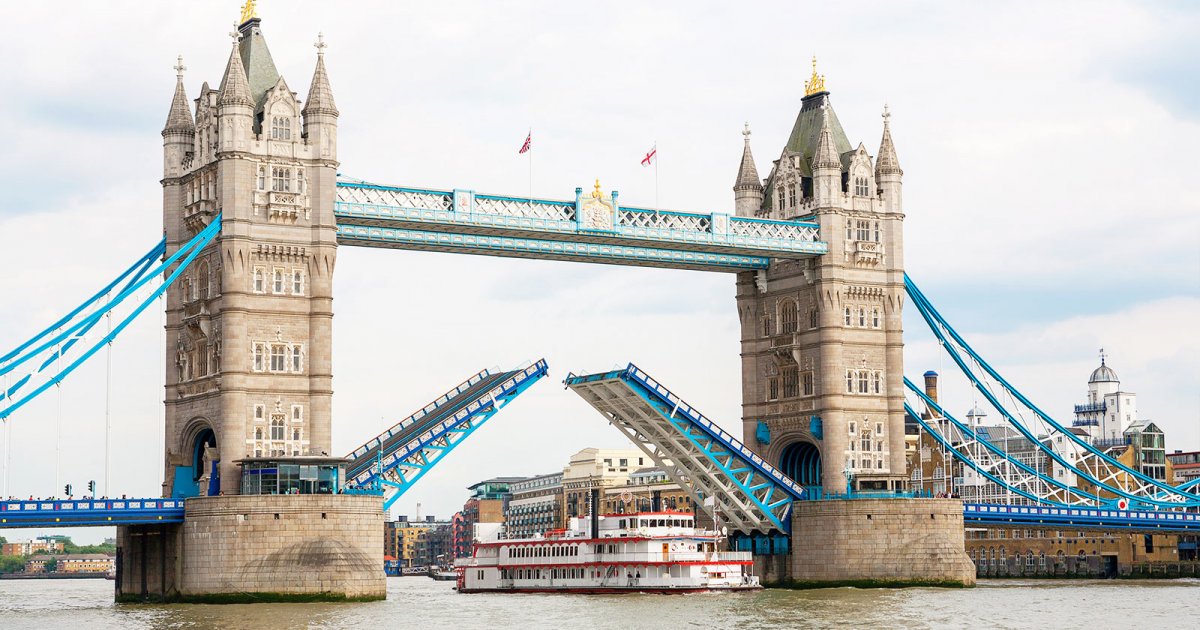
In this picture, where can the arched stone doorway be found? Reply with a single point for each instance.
(198, 474)
(802, 462)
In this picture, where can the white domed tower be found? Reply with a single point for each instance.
(1108, 411)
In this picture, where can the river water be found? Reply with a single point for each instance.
(418, 602)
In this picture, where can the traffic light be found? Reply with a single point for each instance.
(92, 488)
(67, 489)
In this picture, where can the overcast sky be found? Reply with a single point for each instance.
(1048, 150)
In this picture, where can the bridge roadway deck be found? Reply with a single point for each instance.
(1081, 517)
(90, 512)
(365, 457)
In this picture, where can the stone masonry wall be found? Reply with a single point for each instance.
(892, 541)
(326, 545)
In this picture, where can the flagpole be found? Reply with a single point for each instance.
(656, 175)
(530, 152)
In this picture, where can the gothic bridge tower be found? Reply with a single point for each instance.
(248, 326)
(822, 353)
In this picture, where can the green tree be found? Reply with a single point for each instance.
(3, 540)
(51, 565)
(12, 564)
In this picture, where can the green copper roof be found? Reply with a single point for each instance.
(807, 130)
(256, 59)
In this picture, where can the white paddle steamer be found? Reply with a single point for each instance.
(658, 552)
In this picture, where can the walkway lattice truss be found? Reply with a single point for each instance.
(400, 456)
(748, 493)
(589, 229)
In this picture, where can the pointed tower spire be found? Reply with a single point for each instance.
(887, 163)
(235, 87)
(748, 189)
(888, 175)
(826, 155)
(320, 94)
(179, 120)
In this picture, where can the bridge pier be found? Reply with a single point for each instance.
(257, 548)
(878, 542)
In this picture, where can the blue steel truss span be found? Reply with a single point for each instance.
(90, 512)
(752, 495)
(467, 222)
(397, 458)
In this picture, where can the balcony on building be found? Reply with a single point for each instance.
(1091, 407)
(292, 475)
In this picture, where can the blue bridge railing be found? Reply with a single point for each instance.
(90, 512)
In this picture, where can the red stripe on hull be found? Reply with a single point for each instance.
(607, 590)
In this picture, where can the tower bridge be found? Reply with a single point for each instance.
(254, 212)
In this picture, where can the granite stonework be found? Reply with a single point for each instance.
(879, 542)
(249, 323)
(822, 338)
(258, 548)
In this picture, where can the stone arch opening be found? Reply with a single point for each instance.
(802, 462)
(198, 472)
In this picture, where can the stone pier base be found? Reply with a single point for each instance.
(258, 548)
(879, 542)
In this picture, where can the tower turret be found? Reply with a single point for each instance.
(179, 134)
(748, 188)
(826, 168)
(320, 112)
(235, 106)
(887, 169)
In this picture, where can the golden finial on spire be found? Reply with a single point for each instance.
(596, 191)
(816, 83)
(249, 11)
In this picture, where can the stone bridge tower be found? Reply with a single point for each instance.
(822, 353)
(249, 324)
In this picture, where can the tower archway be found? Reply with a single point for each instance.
(802, 462)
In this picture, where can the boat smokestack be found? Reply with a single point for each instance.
(594, 499)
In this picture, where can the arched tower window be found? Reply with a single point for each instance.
(847, 315)
(875, 318)
(277, 428)
(281, 128)
(202, 279)
(787, 316)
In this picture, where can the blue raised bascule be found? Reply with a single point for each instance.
(752, 496)
(397, 458)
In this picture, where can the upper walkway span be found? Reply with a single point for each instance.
(591, 228)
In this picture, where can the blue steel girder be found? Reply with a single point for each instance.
(90, 512)
(586, 229)
(1107, 518)
(698, 455)
(427, 437)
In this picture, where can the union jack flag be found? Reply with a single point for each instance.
(528, 140)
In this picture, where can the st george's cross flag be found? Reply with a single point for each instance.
(528, 139)
(650, 157)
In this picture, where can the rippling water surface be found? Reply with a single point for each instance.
(418, 602)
